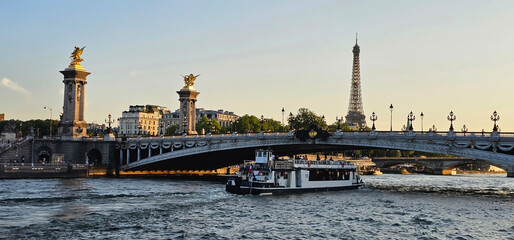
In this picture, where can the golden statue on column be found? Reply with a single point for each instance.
(75, 58)
(189, 80)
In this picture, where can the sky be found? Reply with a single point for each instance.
(257, 57)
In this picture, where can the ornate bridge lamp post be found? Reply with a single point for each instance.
(119, 132)
(451, 118)
(209, 123)
(391, 109)
(495, 117)
(262, 123)
(110, 121)
(50, 119)
(339, 122)
(161, 125)
(411, 118)
(291, 120)
(422, 115)
(283, 111)
(139, 127)
(464, 129)
(235, 125)
(373, 118)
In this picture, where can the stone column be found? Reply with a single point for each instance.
(187, 117)
(72, 123)
(128, 156)
(160, 149)
(149, 150)
(138, 153)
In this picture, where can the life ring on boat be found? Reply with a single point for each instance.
(309, 163)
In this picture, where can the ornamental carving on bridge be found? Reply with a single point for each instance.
(314, 132)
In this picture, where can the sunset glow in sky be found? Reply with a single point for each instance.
(256, 57)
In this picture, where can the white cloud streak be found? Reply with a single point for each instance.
(8, 83)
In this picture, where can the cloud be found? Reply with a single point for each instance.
(15, 87)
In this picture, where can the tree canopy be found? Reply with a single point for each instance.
(305, 118)
(208, 125)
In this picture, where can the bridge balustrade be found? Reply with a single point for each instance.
(476, 143)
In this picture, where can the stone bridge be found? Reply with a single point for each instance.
(215, 151)
(440, 165)
(97, 151)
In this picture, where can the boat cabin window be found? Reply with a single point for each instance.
(328, 174)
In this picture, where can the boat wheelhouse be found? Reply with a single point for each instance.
(268, 174)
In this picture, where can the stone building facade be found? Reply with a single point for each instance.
(141, 120)
(225, 118)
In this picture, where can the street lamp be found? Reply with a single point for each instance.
(373, 118)
(262, 123)
(50, 119)
(162, 127)
(411, 118)
(391, 109)
(422, 115)
(339, 122)
(464, 129)
(209, 123)
(21, 134)
(109, 122)
(139, 127)
(283, 111)
(495, 117)
(291, 119)
(451, 118)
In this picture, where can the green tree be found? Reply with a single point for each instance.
(271, 125)
(344, 127)
(171, 130)
(248, 123)
(305, 118)
(212, 126)
(40, 126)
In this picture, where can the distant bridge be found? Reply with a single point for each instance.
(439, 165)
(215, 151)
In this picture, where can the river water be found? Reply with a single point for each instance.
(388, 207)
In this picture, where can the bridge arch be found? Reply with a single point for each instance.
(94, 157)
(44, 154)
(234, 148)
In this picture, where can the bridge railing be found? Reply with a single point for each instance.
(358, 134)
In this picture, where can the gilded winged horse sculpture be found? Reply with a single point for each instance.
(75, 56)
(189, 80)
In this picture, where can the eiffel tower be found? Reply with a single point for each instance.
(355, 117)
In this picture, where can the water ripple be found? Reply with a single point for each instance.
(389, 207)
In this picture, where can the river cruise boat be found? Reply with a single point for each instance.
(268, 175)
